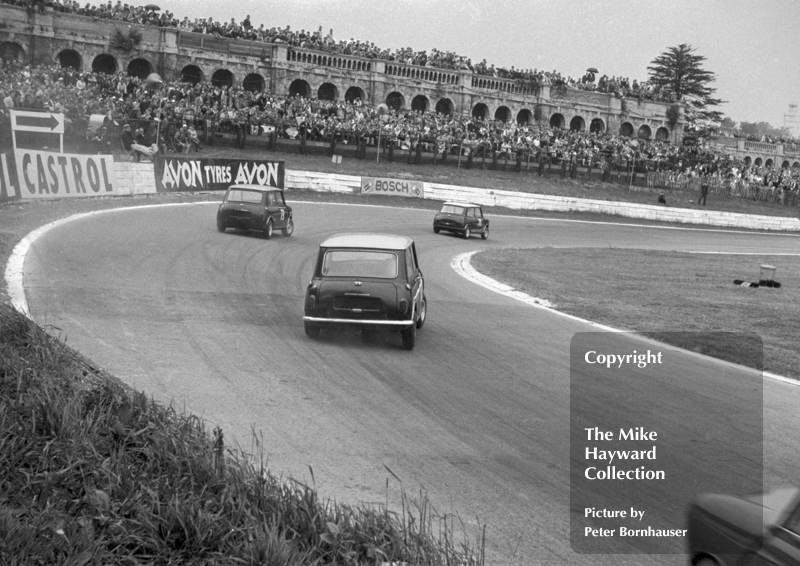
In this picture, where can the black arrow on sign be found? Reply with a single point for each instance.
(44, 121)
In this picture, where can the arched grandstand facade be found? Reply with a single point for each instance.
(81, 42)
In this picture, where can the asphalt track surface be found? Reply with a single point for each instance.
(477, 416)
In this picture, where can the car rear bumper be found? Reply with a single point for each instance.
(357, 321)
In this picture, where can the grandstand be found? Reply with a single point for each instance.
(267, 88)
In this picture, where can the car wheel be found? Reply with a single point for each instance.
(466, 233)
(409, 336)
(435, 229)
(706, 562)
(311, 330)
(268, 229)
(485, 233)
(220, 225)
(289, 230)
(423, 312)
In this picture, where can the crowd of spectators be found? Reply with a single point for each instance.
(321, 41)
(98, 106)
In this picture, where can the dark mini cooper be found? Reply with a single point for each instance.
(255, 207)
(461, 218)
(367, 281)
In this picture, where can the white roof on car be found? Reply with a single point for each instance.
(460, 203)
(372, 241)
(255, 187)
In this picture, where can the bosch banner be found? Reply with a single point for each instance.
(43, 174)
(9, 188)
(186, 174)
(394, 187)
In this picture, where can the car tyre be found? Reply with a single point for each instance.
(289, 230)
(706, 562)
(423, 312)
(268, 229)
(311, 330)
(466, 233)
(435, 229)
(220, 225)
(485, 233)
(409, 336)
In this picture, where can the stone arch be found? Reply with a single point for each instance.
(327, 91)
(420, 103)
(395, 100)
(785, 164)
(557, 120)
(748, 160)
(222, 77)
(299, 87)
(12, 51)
(355, 92)
(577, 124)
(253, 82)
(140, 68)
(480, 110)
(503, 113)
(70, 58)
(758, 162)
(444, 106)
(192, 74)
(644, 132)
(626, 129)
(105, 63)
(662, 134)
(597, 126)
(768, 162)
(524, 116)
(796, 165)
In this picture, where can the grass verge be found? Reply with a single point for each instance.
(688, 300)
(91, 473)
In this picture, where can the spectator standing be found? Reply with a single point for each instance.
(703, 191)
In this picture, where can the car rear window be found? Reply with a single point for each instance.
(450, 209)
(241, 195)
(360, 263)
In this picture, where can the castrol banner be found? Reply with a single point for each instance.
(187, 174)
(393, 187)
(43, 174)
(9, 188)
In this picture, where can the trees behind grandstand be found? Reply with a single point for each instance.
(680, 70)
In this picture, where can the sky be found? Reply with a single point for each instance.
(752, 47)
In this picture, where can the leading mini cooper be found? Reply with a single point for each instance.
(461, 218)
(257, 208)
(367, 281)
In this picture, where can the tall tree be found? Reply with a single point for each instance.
(680, 70)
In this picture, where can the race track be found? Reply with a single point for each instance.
(477, 415)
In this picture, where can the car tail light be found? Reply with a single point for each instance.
(403, 306)
(312, 302)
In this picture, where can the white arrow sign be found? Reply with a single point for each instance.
(47, 122)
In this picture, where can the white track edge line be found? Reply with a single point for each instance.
(462, 265)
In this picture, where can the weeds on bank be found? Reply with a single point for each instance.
(91, 473)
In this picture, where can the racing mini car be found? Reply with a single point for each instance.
(256, 208)
(461, 218)
(367, 282)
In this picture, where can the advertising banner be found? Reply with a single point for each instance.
(394, 187)
(43, 174)
(9, 188)
(198, 174)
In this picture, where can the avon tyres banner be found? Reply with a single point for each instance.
(186, 174)
(42, 174)
(394, 187)
(9, 188)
